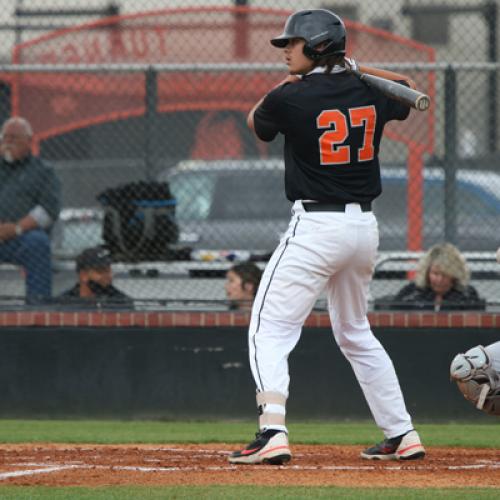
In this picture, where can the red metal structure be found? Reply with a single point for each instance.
(57, 103)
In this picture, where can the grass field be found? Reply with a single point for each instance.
(125, 432)
(237, 492)
(115, 432)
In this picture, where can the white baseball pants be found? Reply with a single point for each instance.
(335, 252)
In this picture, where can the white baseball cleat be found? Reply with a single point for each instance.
(269, 447)
(404, 447)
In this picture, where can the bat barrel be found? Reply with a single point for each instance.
(395, 90)
(422, 102)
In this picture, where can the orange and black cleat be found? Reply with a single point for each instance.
(404, 447)
(269, 447)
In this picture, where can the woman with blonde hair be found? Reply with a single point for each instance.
(441, 283)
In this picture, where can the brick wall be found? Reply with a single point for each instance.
(210, 319)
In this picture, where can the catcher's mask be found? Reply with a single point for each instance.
(315, 26)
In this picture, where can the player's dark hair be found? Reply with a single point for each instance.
(249, 273)
(330, 62)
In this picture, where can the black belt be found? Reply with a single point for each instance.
(333, 207)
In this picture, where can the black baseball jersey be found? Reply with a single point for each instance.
(333, 125)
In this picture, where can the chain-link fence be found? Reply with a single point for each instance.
(140, 112)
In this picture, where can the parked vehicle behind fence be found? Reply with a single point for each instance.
(240, 204)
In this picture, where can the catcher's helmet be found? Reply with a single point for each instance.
(315, 26)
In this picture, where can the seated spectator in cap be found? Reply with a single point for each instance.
(95, 279)
(242, 282)
(30, 201)
(441, 284)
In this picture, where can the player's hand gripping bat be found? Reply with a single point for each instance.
(394, 90)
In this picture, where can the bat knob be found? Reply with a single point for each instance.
(423, 102)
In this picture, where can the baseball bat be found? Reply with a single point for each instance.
(395, 90)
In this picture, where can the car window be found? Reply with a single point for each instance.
(392, 202)
(194, 193)
(230, 195)
(250, 195)
(472, 201)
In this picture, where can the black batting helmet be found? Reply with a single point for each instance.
(315, 26)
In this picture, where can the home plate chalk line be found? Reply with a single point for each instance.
(48, 468)
(53, 467)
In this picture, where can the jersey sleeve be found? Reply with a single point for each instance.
(267, 120)
(396, 109)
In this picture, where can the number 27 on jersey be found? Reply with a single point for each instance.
(332, 143)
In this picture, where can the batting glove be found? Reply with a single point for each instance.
(351, 63)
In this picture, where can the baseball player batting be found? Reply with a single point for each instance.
(333, 123)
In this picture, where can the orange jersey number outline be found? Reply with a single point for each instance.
(331, 150)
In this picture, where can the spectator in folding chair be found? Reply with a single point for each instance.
(95, 282)
(242, 282)
(30, 201)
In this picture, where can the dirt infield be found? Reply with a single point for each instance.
(96, 465)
